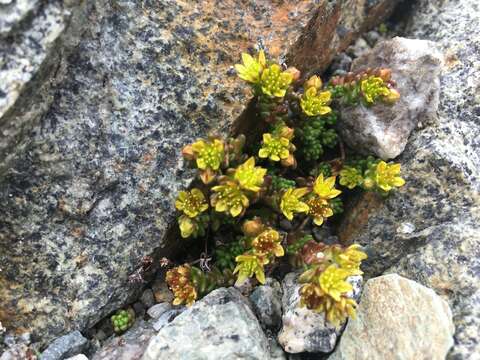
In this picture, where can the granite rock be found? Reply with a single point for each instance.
(220, 326)
(304, 330)
(384, 129)
(267, 304)
(129, 346)
(428, 230)
(96, 99)
(397, 316)
(65, 346)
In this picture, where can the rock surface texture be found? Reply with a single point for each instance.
(267, 304)
(129, 346)
(384, 129)
(96, 100)
(397, 318)
(220, 326)
(429, 230)
(304, 330)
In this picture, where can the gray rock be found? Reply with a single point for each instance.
(384, 129)
(129, 346)
(276, 351)
(267, 304)
(65, 346)
(78, 357)
(429, 230)
(397, 316)
(220, 326)
(96, 100)
(158, 309)
(147, 298)
(167, 317)
(304, 330)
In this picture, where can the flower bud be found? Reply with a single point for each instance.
(295, 73)
(289, 162)
(314, 81)
(252, 227)
(188, 153)
(385, 74)
(287, 132)
(392, 96)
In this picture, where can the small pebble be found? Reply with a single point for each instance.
(157, 310)
(147, 298)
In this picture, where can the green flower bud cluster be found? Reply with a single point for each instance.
(314, 136)
(281, 183)
(293, 249)
(225, 254)
(122, 320)
(322, 168)
(336, 205)
(207, 281)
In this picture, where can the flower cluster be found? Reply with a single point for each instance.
(179, 280)
(313, 101)
(367, 87)
(325, 287)
(265, 246)
(373, 175)
(255, 202)
(192, 204)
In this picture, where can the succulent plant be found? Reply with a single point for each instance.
(250, 202)
(122, 320)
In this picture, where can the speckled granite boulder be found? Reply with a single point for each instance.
(400, 318)
(429, 230)
(129, 346)
(384, 129)
(304, 330)
(96, 99)
(267, 304)
(220, 326)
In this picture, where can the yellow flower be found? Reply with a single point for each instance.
(229, 198)
(319, 209)
(326, 188)
(191, 226)
(179, 280)
(291, 202)
(252, 68)
(275, 148)
(350, 177)
(275, 82)
(336, 312)
(386, 176)
(268, 242)
(314, 103)
(249, 176)
(191, 202)
(314, 81)
(209, 155)
(373, 88)
(332, 282)
(249, 265)
(348, 259)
